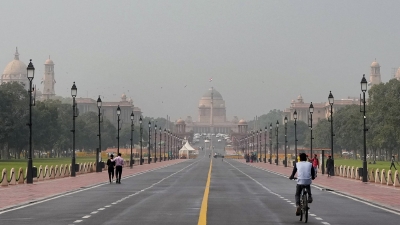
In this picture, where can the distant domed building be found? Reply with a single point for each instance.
(212, 115)
(375, 75)
(15, 71)
(48, 80)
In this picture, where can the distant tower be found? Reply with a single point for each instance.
(375, 76)
(48, 80)
(397, 75)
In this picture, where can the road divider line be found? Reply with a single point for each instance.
(204, 203)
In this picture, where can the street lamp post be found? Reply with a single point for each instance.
(364, 89)
(165, 140)
(311, 108)
(141, 140)
(155, 142)
(118, 114)
(160, 131)
(260, 144)
(132, 129)
(270, 143)
(331, 100)
(277, 143)
(30, 73)
(149, 146)
(258, 155)
(265, 144)
(74, 91)
(285, 121)
(98, 168)
(169, 144)
(295, 136)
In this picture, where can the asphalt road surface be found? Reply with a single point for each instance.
(178, 194)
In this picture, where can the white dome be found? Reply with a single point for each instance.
(49, 61)
(375, 64)
(15, 67)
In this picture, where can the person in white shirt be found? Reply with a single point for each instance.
(119, 162)
(305, 175)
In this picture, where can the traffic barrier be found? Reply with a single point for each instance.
(383, 177)
(377, 176)
(396, 179)
(371, 175)
(389, 178)
(352, 175)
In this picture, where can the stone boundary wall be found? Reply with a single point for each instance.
(14, 177)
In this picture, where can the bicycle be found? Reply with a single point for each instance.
(303, 203)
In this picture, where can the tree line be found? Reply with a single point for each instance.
(383, 119)
(52, 125)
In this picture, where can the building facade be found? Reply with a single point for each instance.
(15, 71)
(109, 109)
(211, 116)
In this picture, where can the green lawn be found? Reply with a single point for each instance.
(358, 163)
(17, 163)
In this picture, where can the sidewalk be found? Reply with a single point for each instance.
(386, 196)
(20, 194)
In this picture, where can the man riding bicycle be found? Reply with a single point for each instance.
(305, 173)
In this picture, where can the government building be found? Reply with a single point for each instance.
(211, 116)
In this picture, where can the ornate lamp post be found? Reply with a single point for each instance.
(311, 108)
(331, 100)
(165, 140)
(149, 145)
(277, 143)
(265, 144)
(98, 168)
(74, 91)
(270, 143)
(285, 121)
(118, 129)
(295, 136)
(258, 155)
(260, 143)
(31, 73)
(132, 129)
(169, 145)
(160, 144)
(364, 89)
(141, 140)
(155, 142)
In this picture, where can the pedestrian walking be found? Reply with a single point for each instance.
(392, 163)
(110, 166)
(315, 164)
(329, 166)
(119, 162)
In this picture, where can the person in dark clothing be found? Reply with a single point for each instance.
(111, 165)
(392, 163)
(329, 166)
(119, 162)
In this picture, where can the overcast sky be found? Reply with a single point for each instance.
(260, 54)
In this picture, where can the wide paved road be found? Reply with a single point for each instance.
(177, 194)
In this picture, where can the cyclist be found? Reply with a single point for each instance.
(305, 175)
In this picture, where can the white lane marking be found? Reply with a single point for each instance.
(326, 223)
(312, 214)
(82, 189)
(147, 188)
(318, 218)
(336, 193)
(94, 212)
(78, 221)
(269, 190)
(85, 217)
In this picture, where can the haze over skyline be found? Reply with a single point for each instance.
(260, 54)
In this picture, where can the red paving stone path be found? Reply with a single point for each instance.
(20, 194)
(387, 196)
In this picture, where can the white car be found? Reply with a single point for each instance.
(219, 140)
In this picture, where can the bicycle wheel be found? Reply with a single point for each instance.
(305, 208)
(301, 209)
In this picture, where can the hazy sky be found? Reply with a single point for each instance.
(260, 54)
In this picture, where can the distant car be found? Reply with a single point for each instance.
(219, 140)
(229, 146)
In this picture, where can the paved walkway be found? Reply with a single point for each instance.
(383, 195)
(20, 194)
